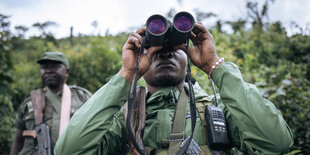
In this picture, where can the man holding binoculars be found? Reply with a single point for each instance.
(254, 125)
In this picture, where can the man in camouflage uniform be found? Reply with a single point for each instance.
(54, 69)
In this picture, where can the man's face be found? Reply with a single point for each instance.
(167, 69)
(53, 73)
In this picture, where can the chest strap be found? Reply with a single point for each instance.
(177, 134)
(65, 108)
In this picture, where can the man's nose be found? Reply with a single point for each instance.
(48, 69)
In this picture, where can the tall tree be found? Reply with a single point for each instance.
(6, 80)
(237, 25)
(94, 24)
(5, 25)
(256, 14)
(48, 36)
(43, 26)
(201, 16)
(21, 30)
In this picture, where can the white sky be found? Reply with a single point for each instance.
(121, 15)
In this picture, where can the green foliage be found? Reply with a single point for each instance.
(91, 67)
(6, 106)
(278, 65)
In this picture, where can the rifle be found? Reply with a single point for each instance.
(137, 121)
(43, 138)
(42, 130)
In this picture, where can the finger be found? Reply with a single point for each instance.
(192, 37)
(201, 36)
(133, 42)
(204, 30)
(142, 31)
(182, 47)
(136, 35)
(199, 28)
(185, 49)
(150, 52)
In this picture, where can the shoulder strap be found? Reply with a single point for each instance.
(38, 103)
(82, 89)
(65, 108)
(177, 134)
(200, 105)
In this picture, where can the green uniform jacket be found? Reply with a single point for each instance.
(98, 127)
(51, 115)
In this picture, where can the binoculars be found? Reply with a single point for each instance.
(159, 30)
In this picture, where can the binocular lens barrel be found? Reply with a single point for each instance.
(159, 29)
(183, 22)
(157, 26)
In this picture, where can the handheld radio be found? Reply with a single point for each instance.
(216, 126)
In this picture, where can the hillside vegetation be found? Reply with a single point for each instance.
(277, 63)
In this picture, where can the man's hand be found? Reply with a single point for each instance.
(130, 54)
(203, 54)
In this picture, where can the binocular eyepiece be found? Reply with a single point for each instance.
(159, 29)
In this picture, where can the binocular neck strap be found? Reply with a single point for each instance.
(131, 98)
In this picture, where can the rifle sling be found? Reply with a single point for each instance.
(65, 108)
(38, 103)
(177, 134)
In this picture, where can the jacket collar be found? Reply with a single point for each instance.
(165, 94)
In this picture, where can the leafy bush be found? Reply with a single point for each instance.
(6, 106)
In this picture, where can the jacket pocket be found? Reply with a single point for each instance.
(29, 121)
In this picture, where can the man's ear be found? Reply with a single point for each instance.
(67, 72)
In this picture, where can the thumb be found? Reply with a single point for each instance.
(182, 47)
(150, 52)
(186, 49)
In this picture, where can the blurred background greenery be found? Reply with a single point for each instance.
(278, 63)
